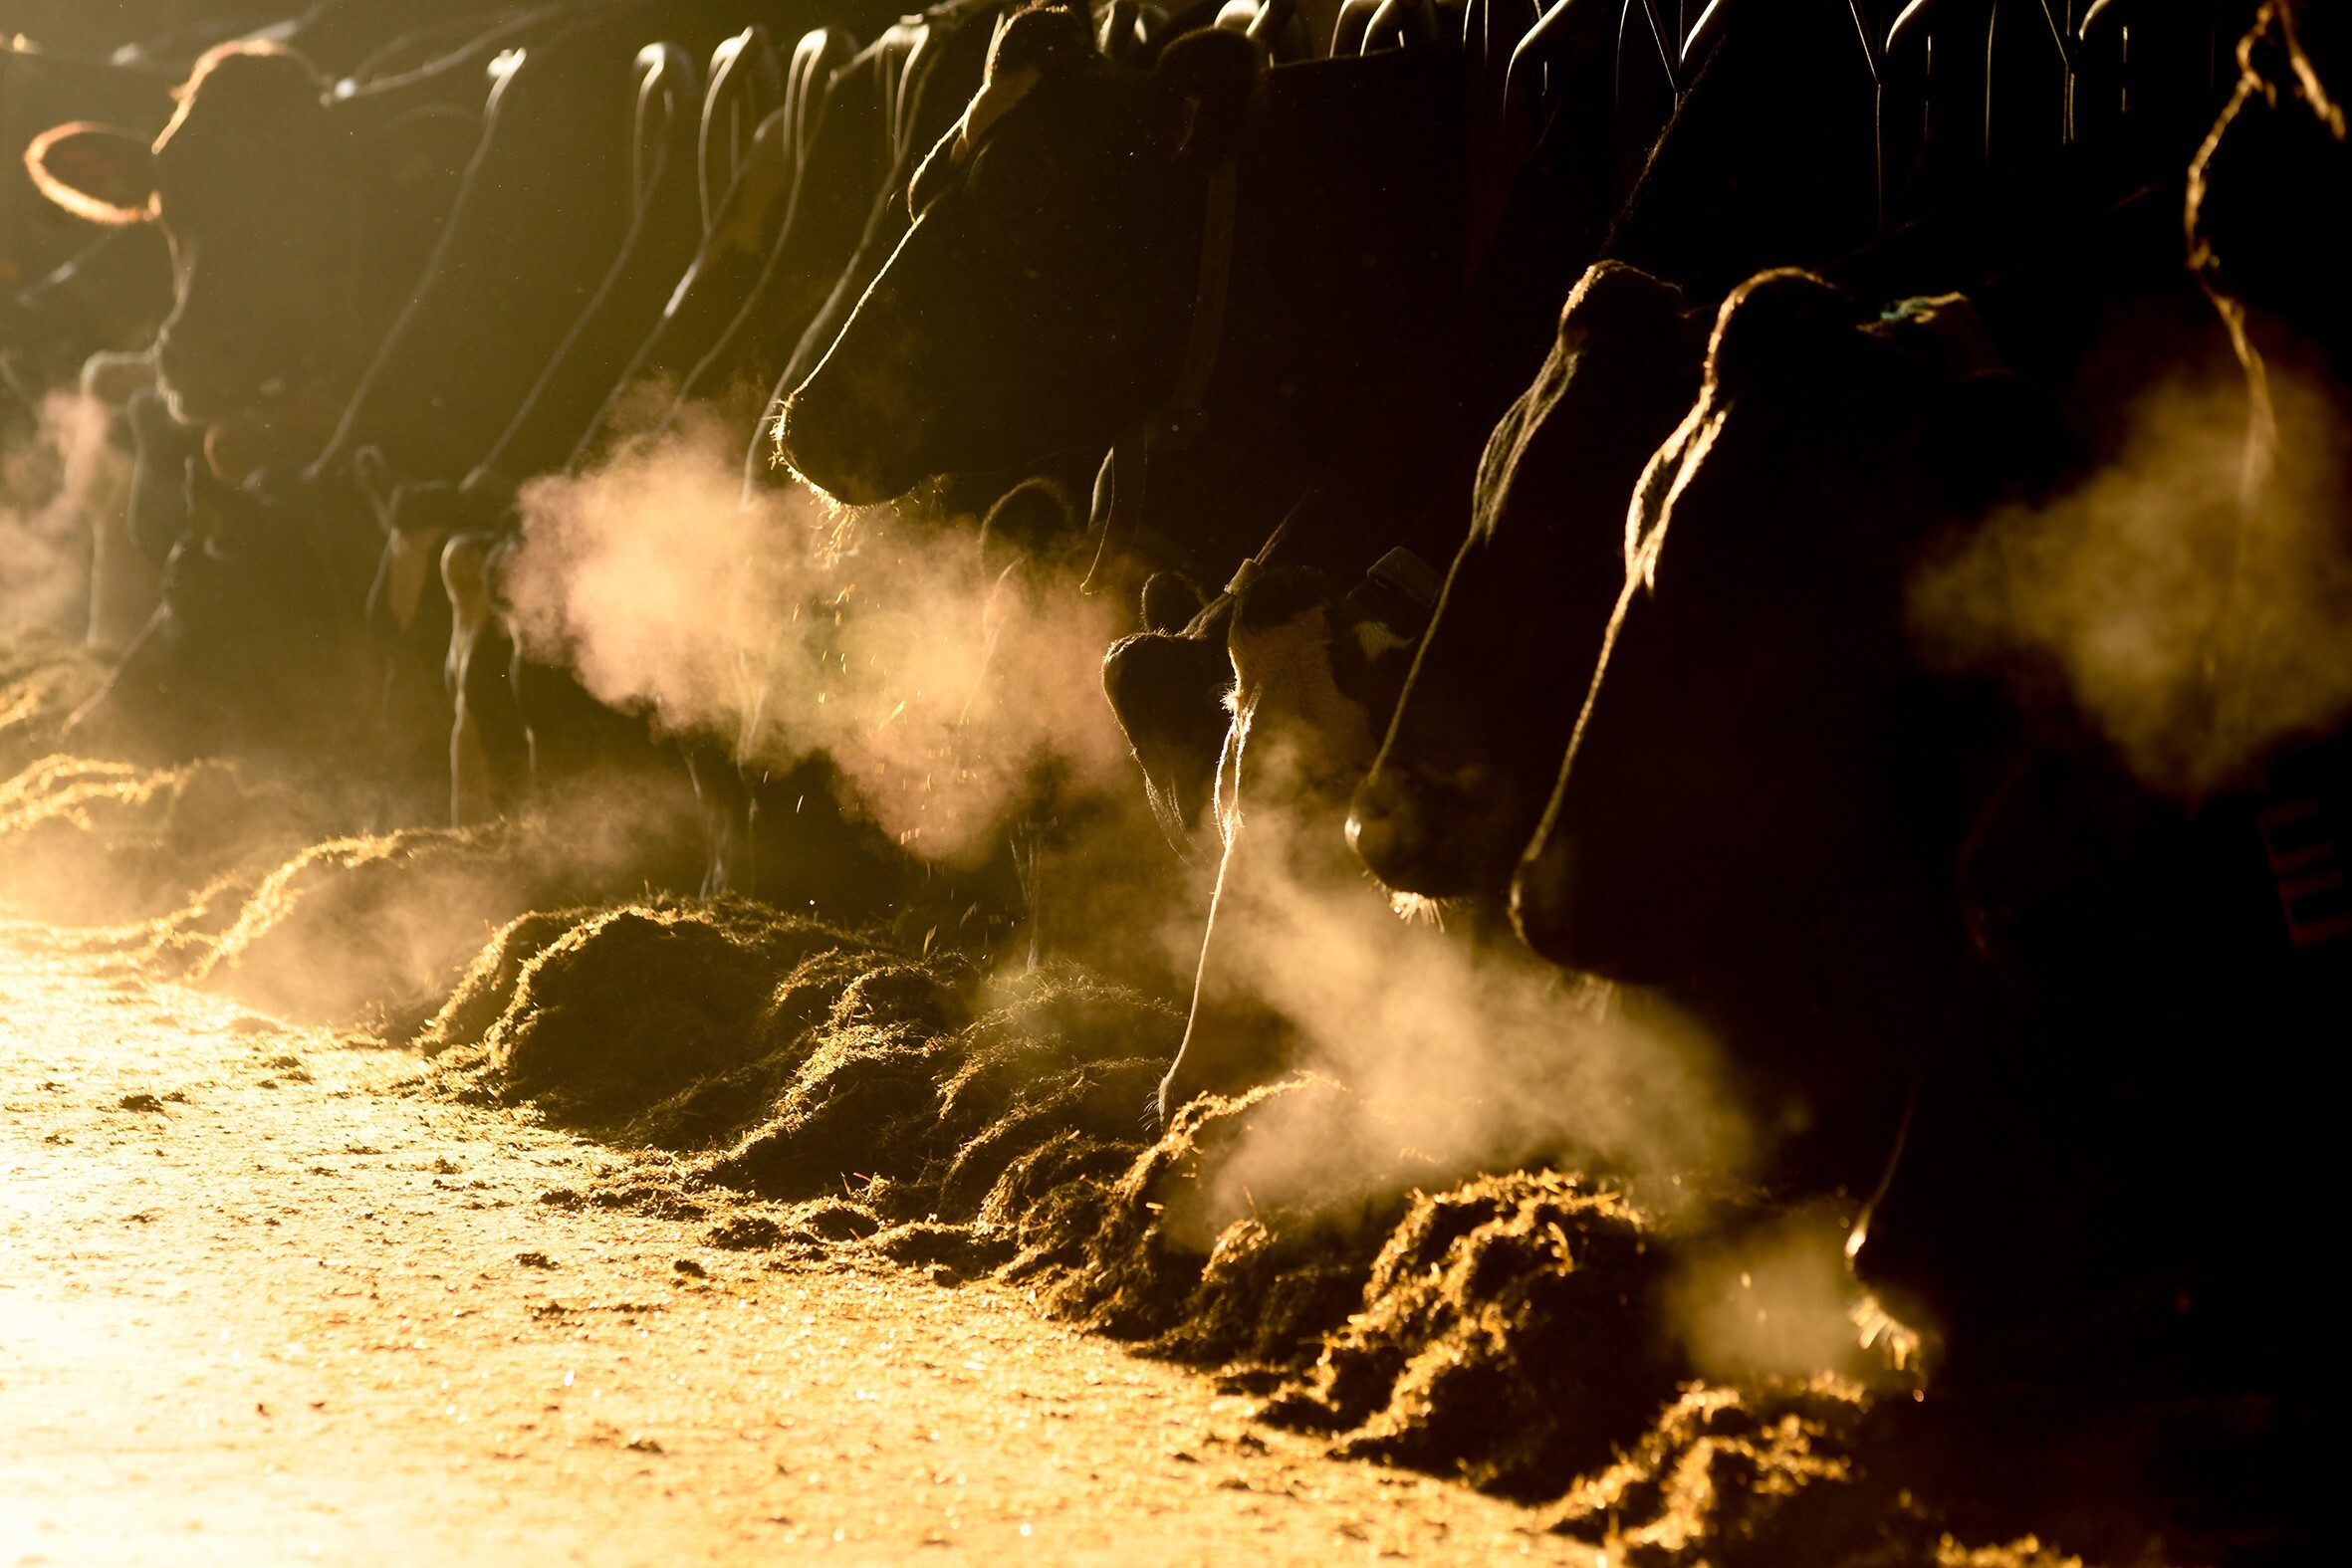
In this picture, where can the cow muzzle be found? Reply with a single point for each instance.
(828, 441)
(1419, 835)
(1543, 898)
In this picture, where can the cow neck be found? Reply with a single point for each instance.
(1327, 175)
(1179, 423)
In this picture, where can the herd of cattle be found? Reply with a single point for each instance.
(1279, 285)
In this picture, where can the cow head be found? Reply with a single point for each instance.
(243, 183)
(2268, 181)
(1472, 752)
(1759, 783)
(1043, 299)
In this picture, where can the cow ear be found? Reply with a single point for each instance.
(1211, 78)
(95, 172)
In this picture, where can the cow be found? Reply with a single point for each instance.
(1137, 237)
(296, 218)
(911, 107)
(1966, 971)
(844, 168)
(1303, 674)
(1469, 758)
(294, 215)
(2133, 933)
(2276, 162)
(253, 648)
(744, 228)
(1762, 793)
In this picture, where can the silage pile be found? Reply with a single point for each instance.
(807, 1089)
(88, 843)
(810, 1090)
(43, 679)
(237, 878)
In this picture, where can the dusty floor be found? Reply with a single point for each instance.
(257, 1311)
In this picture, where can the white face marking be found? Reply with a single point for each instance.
(993, 103)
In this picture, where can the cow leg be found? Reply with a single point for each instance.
(1232, 1040)
(1299, 743)
(125, 471)
(725, 806)
(473, 796)
(125, 585)
(413, 700)
(136, 713)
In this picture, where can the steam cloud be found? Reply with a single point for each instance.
(55, 482)
(1458, 1058)
(939, 688)
(1777, 1300)
(2198, 626)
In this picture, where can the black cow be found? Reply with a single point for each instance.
(255, 649)
(905, 102)
(1882, 886)
(296, 218)
(743, 231)
(1064, 282)
(1763, 794)
(1474, 745)
(2143, 945)
(547, 208)
(2276, 164)
(844, 166)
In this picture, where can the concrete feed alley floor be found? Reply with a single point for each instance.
(254, 1308)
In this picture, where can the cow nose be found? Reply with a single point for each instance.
(815, 435)
(803, 438)
(1385, 830)
(1541, 899)
(1425, 835)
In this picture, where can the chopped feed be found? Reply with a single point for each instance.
(811, 1091)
